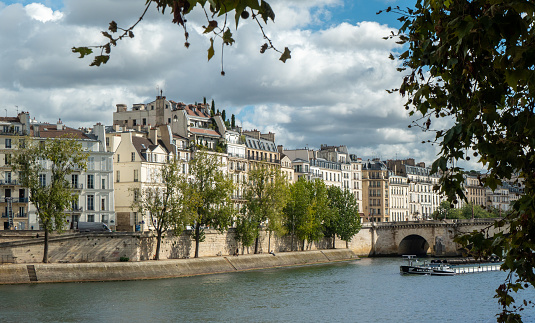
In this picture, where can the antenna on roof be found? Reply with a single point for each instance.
(17, 109)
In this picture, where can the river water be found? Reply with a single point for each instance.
(367, 290)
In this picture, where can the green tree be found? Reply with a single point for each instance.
(208, 194)
(472, 62)
(224, 115)
(266, 197)
(307, 210)
(43, 167)
(164, 201)
(345, 222)
(213, 107)
(217, 25)
(233, 121)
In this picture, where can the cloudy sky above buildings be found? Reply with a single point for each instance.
(332, 90)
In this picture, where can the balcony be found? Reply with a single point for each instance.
(16, 215)
(276, 161)
(14, 200)
(11, 182)
(236, 155)
(77, 186)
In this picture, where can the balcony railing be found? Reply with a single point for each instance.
(264, 159)
(11, 182)
(17, 215)
(236, 155)
(77, 186)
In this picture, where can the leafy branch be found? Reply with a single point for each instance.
(179, 9)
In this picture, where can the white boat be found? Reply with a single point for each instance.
(435, 269)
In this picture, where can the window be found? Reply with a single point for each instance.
(103, 186)
(135, 122)
(90, 218)
(7, 177)
(136, 175)
(42, 180)
(91, 203)
(136, 194)
(133, 156)
(8, 159)
(105, 218)
(91, 163)
(168, 120)
(118, 158)
(74, 180)
(103, 204)
(90, 181)
(75, 205)
(144, 121)
(118, 176)
(8, 142)
(107, 141)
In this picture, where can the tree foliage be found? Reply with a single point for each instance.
(472, 62)
(468, 211)
(164, 201)
(307, 210)
(265, 194)
(208, 195)
(217, 25)
(345, 223)
(43, 168)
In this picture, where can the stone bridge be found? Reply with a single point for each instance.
(434, 238)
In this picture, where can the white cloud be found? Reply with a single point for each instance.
(39, 12)
(332, 91)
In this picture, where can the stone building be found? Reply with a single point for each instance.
(375, 198)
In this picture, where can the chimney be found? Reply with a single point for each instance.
(59, 125)
(153, 135)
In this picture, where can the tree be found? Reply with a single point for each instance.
(213, 107)
(233, 121)
(165, 202)
(208, 193)
(307, 210)
(266, 197)
(346, 220)
(217, 25)
(471, 62)
(43, 167)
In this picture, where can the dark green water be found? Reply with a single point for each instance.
(368, 290)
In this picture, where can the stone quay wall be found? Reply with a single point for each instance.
(114, 271)
(111, 247)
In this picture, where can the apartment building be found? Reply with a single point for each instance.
(94, 186)
(356, 180)
(375, 197)
(14, 201)
(139, 157)
(261, 149)
(399, 197)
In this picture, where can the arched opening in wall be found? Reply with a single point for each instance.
(413, 245)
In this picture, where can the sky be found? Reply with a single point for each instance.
(332, 91)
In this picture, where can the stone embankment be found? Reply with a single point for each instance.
(113, 271)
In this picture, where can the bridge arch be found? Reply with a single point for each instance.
(413, 244)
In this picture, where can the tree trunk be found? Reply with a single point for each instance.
(197, 238)
(347, 245)
(334, 241)
(269, 241)
(45, 251)
(158, 242)
(256, 245)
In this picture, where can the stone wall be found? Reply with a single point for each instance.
(47, 273)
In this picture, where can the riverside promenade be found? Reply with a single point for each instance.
(169, 268)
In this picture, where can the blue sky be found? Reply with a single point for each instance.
(332, 91)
